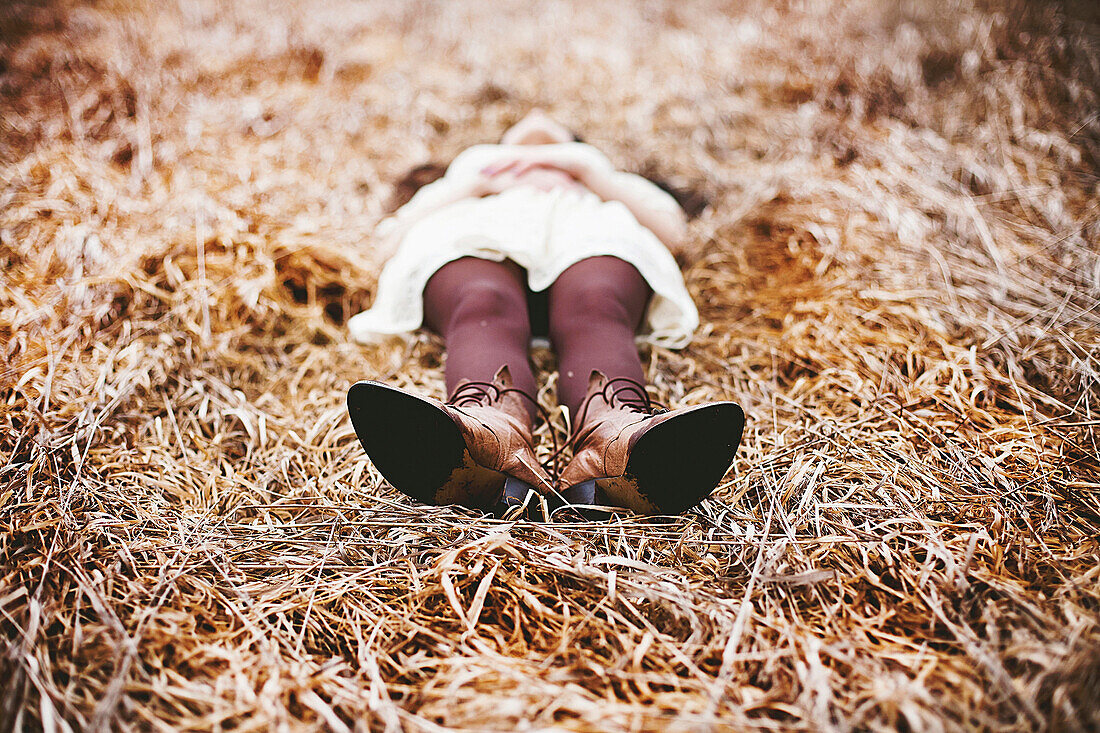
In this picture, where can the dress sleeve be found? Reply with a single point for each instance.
(649, 193)
(389, 232)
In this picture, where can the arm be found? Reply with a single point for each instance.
(429, 199)
(653, 208)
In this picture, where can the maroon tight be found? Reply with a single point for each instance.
(480, 307)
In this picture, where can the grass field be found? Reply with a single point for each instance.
(899, 279)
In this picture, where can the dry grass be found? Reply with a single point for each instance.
(900, 282)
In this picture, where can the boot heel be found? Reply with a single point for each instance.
(582, 493)
(581, 501)
(517, 502)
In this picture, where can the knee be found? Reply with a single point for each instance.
(488, 303)
(588, 304)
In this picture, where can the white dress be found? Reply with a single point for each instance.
(542, 231)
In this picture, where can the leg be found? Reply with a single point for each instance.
(480, 309)
(650, 463)
(595, 308)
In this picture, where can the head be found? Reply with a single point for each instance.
(537, 128)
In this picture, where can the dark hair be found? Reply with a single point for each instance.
(413, 181)
(690, 199)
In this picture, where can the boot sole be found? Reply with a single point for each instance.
(676, 464)
(418, 449)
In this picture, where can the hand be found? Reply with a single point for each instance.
(510, 168)
(542, 156)
(490, 184)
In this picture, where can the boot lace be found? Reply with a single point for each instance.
(637, 400)
(475, 394)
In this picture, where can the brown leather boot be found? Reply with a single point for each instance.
(653, 462)
(458, 452)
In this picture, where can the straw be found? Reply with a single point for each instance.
(898, 279)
